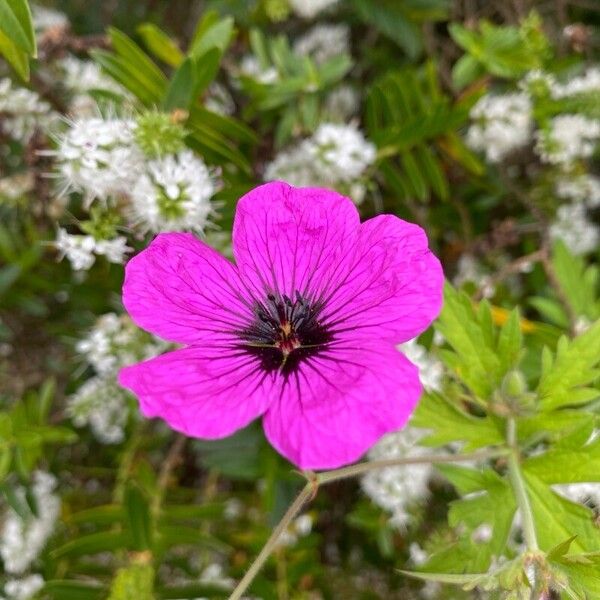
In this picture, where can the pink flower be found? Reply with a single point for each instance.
(301, 330)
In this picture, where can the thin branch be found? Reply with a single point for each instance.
(360, 468)
(303, 497)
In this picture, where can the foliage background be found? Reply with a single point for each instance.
(155, 513)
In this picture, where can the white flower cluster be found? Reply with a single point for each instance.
(323, 42)
(22, 112)
(47, 18)
(501, 125)
(336, 156)
(568, 138)
(21, 541)
(587, 83)
(250, 67)
(23, 588)
(308, 9)
(342, 103)
(81, 77)
(98, 158)
(113, 342)
(219, 99)
(573, 226)
(101, 404)
(101, 159)
(396, 488)
(572, 223)
(174, 194)
(431, 370)
(81, 250)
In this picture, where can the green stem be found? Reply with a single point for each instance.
(315, 480)
(518, 484)
(360, 468)
(303, 497)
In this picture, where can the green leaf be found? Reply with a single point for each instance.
(15, 23)
(216, 35)
(566, 466)
(557, 519)
(566, 380)
(15, 57)
(104, 541)
(474, 360)
(180, 92)
(390, 18)
(74, 590)
(137, 511)
(160, 44)
(467, 580)
(448, 423)
(489, 503)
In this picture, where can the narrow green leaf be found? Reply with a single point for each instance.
(160, 44)
(15, 57)
(15, 23)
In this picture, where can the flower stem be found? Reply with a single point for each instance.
(518, 484)
(360, 468)
(303, 497)
(315, 480)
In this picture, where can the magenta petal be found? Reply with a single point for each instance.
(286, 239)
(184, 291)
(337, 405)
(389, 287)
(202, 393)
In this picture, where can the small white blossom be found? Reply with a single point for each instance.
(324, 41)
(395, 489)
(431, 370)
(251, 67)
(114, 250)
(84, 76)
(308, 9)
(22, 112)
(101, 404)
(501, 124)
(587, 83)
(341, 152)
(336, 156)
(573, 226)
(47, 18)
(300, 527)
(583, 188)
(98, 157)
(174, 193)
(79, 249)
(470, 269)
(24, 588)
(418, 556)
(115, 341)
(21, 541)
(219, 99)
(342, 103)
(569, 138)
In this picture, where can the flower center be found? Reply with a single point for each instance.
(285, 332)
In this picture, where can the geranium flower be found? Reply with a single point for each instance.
(301, 330)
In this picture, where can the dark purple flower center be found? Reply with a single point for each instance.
(285, 332)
